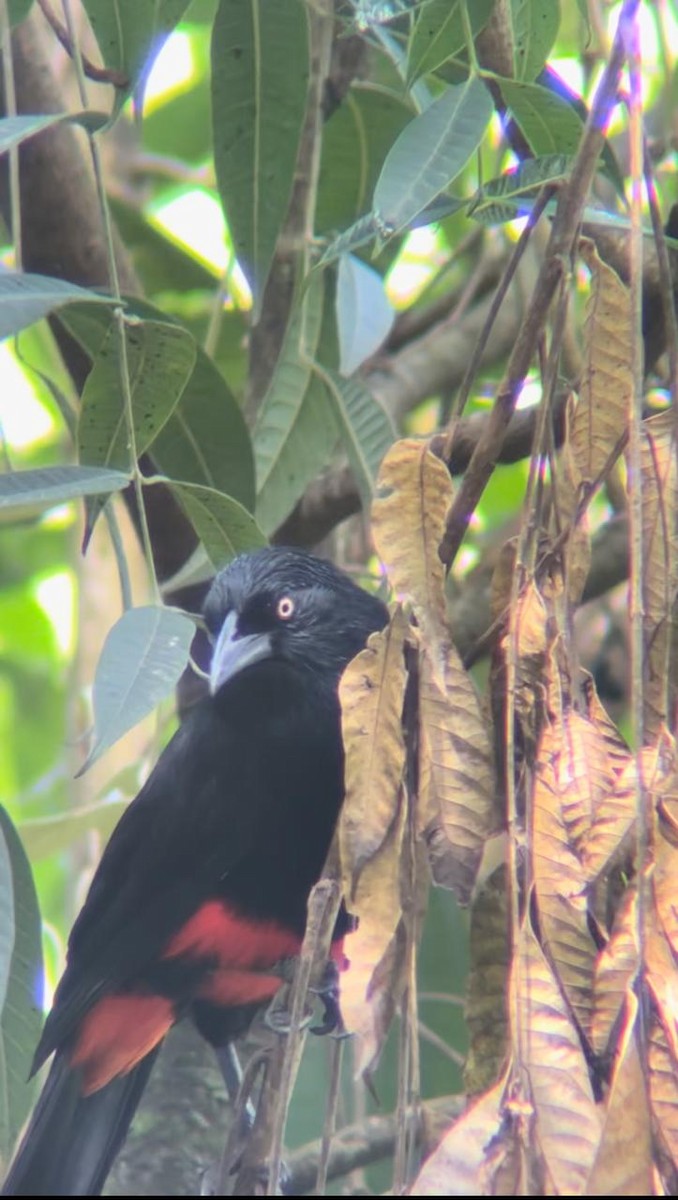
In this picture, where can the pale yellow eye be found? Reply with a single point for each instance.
(285, 608)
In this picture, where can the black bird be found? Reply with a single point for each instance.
(202, 888)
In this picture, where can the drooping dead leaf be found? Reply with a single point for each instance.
(665, 874)
(373, 983)
(662, 978)
(601, 413)
(529, 639)
(566, 1119)
(577, 560)
(371, 694)
(659, 468)
(618, 753)
(663, 1084)
(457, 804)
(561, 780)
(583, 773)
(623, 1163)
(470, 1153)
(414, 493)
(613, 829)
(615, 971)
(486, 988)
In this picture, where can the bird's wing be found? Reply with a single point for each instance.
(217, 803)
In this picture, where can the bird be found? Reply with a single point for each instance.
(202, 888)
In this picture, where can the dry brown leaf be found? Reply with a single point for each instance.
(457, 804)
(662, 978)
(623, 1164)
(601, 413)
(613, 829)
(663, 1083)
(371, 694)
(618, 753)
(373, 982)
(577, 556)
(485, 1007)
(501, 583)
(567, 1122)
(414, 493)
(583, 773)
(470, 1153)
(615, 971)
(659, 466)
(531, 634)
(665, 874)
(561, 900)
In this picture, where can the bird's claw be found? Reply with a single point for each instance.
(328, 991)
(279, 1019)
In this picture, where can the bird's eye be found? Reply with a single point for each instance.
(285, 608)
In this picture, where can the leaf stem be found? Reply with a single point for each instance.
(10, 108)
(119, 316)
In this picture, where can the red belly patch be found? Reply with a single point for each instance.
(217, 931)
(121, 1029)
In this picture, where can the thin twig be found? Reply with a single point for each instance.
(665, 281)
(542, 200)
(98, 74)
(333, 1093)
(429, 1035)
(628, 25)
(564, 230)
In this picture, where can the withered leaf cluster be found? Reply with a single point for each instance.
(574, 982)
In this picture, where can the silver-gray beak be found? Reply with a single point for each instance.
(232, 653)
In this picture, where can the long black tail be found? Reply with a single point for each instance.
(72, 1140)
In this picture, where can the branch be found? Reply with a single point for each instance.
(367, 1142)
(334, 496)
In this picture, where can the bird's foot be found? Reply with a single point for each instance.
(327, 990)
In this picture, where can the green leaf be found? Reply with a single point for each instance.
(430, 153)
(359, 234)
(535, 28)
(129, 35)
(18, 10)
(160, 358)
(549, 124)
(141, 661)
(306, 449)
(21, 984)
(289, 425)
(366, 429)
(15, 130)
(260, 69)
(205, 440)
(355, 143)
(27, 493)
(224, 527)
(525, 180)
(27, 298)
(364, 313)
(439, 33)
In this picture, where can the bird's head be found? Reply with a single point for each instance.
(284, 604)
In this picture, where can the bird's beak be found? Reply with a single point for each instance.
(233, 653)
